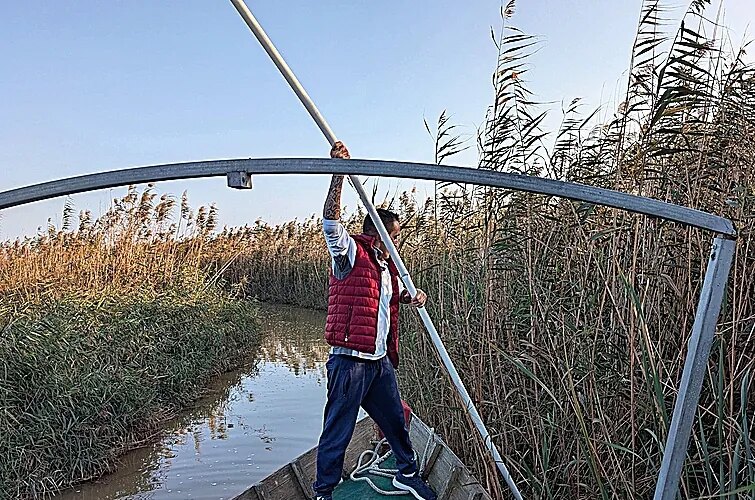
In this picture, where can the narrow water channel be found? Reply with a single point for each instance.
(251, 422)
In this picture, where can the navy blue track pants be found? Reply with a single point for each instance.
(355, 382)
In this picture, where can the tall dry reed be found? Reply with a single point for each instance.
(107, 329)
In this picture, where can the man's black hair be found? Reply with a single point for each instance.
(386, 216)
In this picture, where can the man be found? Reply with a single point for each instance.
(362, 327)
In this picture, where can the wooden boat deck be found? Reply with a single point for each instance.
(444, 471)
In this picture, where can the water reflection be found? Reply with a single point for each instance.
(295, 340)
(248, 424)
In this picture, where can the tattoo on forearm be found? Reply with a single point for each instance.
(332, 208)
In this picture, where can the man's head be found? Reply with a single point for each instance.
(392, 225)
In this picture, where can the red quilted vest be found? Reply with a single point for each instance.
(354, 302)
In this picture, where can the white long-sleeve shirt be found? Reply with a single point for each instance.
(343, 251)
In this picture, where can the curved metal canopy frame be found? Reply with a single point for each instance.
(216, 168)
(239, 172)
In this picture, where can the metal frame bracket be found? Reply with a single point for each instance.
(239, 180)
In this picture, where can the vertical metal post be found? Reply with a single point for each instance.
(698, 352)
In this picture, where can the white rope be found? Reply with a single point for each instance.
(372, 466)
(374, 459)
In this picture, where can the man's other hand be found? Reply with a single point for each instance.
(339, 151)
(419, 299)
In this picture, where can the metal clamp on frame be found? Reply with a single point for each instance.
(239, 180)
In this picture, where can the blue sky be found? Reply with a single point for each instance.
(88, 86)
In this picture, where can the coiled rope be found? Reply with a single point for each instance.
(370, 460)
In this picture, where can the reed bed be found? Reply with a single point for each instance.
(109, 327)
(284, 264)
(568, 322)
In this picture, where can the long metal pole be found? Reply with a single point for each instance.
(250, 20)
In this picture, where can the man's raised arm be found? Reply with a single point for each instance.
(332, 208)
